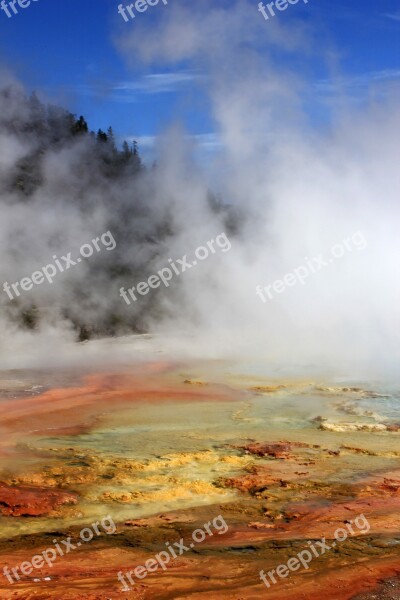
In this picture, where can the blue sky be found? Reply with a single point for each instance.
(65, 49)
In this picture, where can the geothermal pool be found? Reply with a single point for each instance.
(163, 447)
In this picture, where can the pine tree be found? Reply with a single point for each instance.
(111, 138)
(80, 126)
(101, 136)
(136, 160)
(126, 151)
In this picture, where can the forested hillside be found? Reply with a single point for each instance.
(66, 183)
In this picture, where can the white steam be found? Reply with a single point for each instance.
(301, 188)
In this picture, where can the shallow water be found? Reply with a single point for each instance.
(162, 438)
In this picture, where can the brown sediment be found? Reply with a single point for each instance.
(268, 389)
(390, 485)
(259, 479)
(275, 450)
(223, 566)
(387, 590)
(368, 452)
(194, 382)
(20, 501)
(351, 408)
(336, 391)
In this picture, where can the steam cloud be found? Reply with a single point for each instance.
(299, 187)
